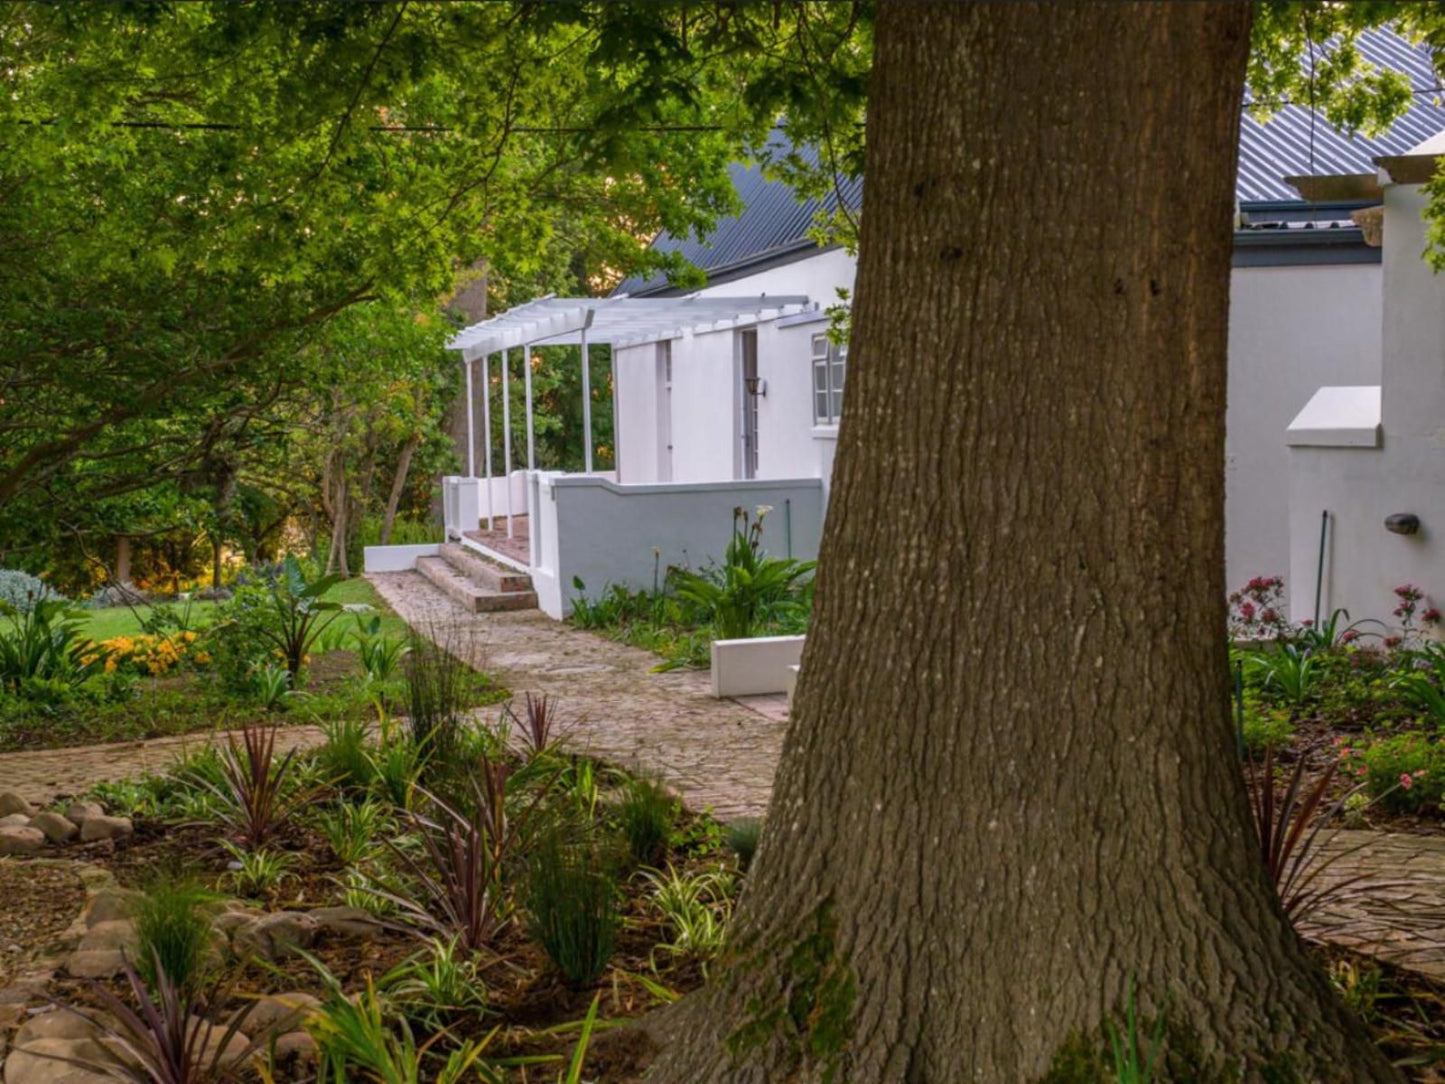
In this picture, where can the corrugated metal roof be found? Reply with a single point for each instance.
(774, 223)
(1282, 146)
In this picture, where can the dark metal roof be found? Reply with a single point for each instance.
(773, 227)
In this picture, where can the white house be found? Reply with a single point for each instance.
(730, 396)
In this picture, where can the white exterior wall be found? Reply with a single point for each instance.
(1291, 330)
(637, 452)
(1360, 486)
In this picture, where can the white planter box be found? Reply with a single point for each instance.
(758, 665)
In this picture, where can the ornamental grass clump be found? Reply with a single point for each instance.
(646, 816)
(172, 921)
(571, 901)
(440, 693)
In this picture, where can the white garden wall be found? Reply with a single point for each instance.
(601, 533)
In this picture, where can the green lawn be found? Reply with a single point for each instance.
(123, 621)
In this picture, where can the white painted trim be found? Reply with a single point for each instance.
(762, 664)
(1338, 417)
(396, 558)
(824, 432)
(492, 555)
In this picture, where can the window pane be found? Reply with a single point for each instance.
(820, 347)
(820, 408)
(820, 377)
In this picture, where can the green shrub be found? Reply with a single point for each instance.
(695, 909)
(571, 900)
(43, 655)
(353, 831)
(438, 983)
(1405, 772)
(1264, 726)
(646, 815)
(173, 929)
(345, 760)
(743, 836)
(22, 590)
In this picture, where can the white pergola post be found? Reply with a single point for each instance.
(471, 424)
(586, 407)
(507, 435)
(527, 377)
(487, 432)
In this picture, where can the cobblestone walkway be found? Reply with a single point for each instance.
(47, 774)
(717, 753)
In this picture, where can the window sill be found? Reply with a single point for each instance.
(824, 432)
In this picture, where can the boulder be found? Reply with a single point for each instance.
(110, 905)
(59, 1023)
(214, 1046)
(80, 812)
(57, 829)
(273, 936)
(96, 828)
(350, 923)
(117, 934)
(15, 820)
(95, 963)
(43, 1062)
(285, 1010)
(21, 841)
(296, 1047)
(10, 802)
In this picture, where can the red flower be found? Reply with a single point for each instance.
(1406, 781)
(1430, 616)
(1246, 610)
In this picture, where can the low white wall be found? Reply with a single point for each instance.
(595, 531)
(396, 558)
(763, 664)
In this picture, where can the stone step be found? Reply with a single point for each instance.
(484, 573)
(470, 594)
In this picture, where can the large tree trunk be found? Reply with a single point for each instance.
(1009, 788)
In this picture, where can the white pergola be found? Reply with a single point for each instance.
(565, 321)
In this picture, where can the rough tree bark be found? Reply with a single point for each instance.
(1009, 788)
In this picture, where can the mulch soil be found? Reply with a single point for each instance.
(534, 1009)
(37, 904)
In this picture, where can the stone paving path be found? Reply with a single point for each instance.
(47, 774)
(717, 753)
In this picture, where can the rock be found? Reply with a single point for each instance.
(117, 934)
(351, 923)
(10, 802)
(56, 828)
(228, 922)
(95, 963)
(274, 935)
(60, 1023)
(295, 1046)
(15, 820)
(109, 905)
(41, 1062)
(21, 841)
(286, 1010)
(96, 828)
(214, 1046)
(80, 812)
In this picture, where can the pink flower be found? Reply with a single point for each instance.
(1349, 636)
(1246, 610)
(1406, 781)
(1269, 617)
(1392, 641)
(1361, 772)
(1431, 616)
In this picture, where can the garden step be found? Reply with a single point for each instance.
(485, 573)
(469, 593)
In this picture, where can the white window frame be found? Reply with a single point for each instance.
(829, 376)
